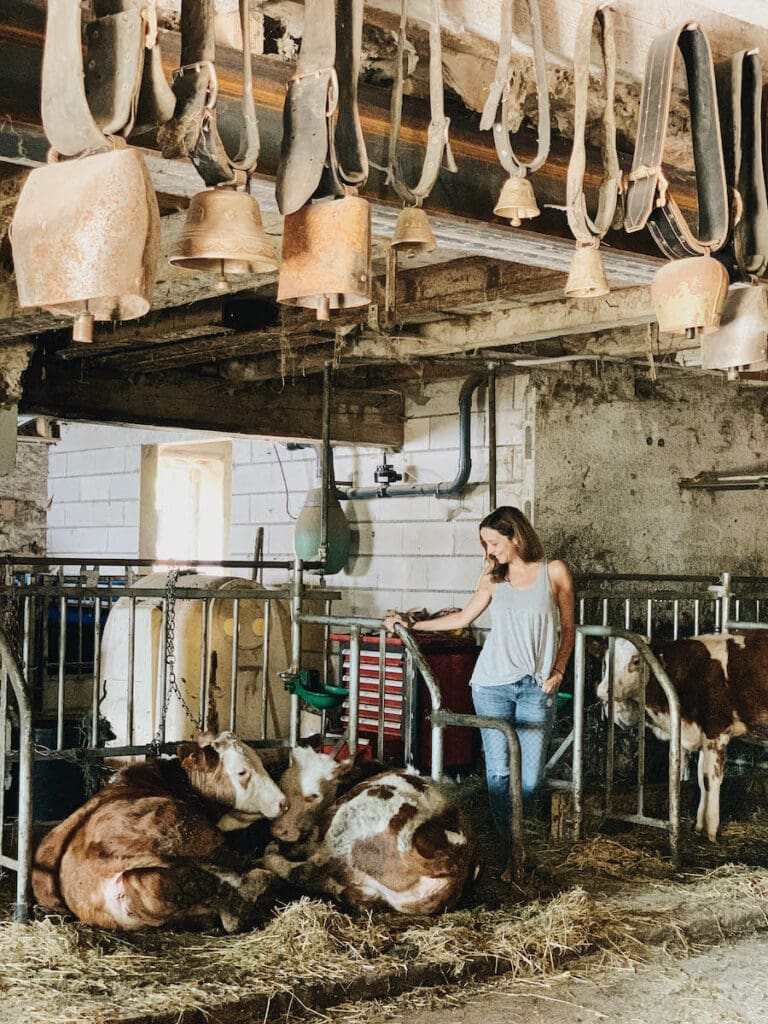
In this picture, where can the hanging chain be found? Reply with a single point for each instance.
(171, 686)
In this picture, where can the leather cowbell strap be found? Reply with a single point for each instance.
(124, 80)
(739, 92)
(500, 93)
(585, 229)
(193, 130)
(323, 150)
(438, 142)
(648, 198)
(67, 119)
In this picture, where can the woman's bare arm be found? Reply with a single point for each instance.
(456, 620)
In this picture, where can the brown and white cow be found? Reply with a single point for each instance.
(149, 849)
(722, 686)
(394, 840)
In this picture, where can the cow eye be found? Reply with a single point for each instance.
(242, 773)
(311, 799)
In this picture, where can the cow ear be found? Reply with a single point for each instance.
(300, 755)
(183, 750)
(199, 758)
(344, 767)
(206, 739)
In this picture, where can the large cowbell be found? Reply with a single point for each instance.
(740, 344)
(327, 256)
(85, 239)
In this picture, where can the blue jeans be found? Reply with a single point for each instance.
(532, 713)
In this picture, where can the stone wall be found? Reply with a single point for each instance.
(24, 500)
(610, 452)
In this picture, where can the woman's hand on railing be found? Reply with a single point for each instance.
(393, 618)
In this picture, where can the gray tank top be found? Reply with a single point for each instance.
(524, 636)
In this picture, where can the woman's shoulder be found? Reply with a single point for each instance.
(559, 573)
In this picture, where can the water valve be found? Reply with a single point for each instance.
(386, 473)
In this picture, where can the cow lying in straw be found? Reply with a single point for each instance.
(394, 840)
(721, 682)
(149, 849)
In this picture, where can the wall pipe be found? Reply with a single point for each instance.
(441, 490)
(491, 436)
(325, 463)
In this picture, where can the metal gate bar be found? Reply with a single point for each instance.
(672, 824)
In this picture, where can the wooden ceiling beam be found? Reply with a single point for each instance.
(627, 307)
(187, 401)
(150, 345)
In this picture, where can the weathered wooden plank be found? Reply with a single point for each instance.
(627, 307)
(207, 403)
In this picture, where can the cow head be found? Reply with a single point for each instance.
(629, 673)
(228, 773)
(310, 784)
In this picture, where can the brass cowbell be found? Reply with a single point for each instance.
(223, 232)
(327, 256)
(413, 235)
(688, 295)
(517, 201)
(586, 277)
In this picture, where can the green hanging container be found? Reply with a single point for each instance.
(306, 536)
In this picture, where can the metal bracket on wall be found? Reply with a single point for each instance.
(728, 480)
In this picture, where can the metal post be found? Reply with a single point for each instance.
(131, 670)
(202, 707)
(293, 671)
(579, 679)
(163, 666)
(410, 703)
(611, 737)
(233, 674)
(675, 618)
(60, 689)
(354, 688)
(95, 690)
(265, 670)
(382, 693)
(322, 553)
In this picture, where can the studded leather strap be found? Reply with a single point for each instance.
(649, 201)
(739, 93)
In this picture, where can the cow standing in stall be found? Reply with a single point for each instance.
(393, 841)
(722, 685)
(150, 849)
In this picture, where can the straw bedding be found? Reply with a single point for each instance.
(57, 972)
(598, 900)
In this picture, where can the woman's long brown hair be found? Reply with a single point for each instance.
(510, 522)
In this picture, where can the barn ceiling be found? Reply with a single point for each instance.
(237, 361)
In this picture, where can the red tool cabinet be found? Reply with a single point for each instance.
(451, 663)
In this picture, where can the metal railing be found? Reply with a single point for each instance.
(11, 674)
(670, 606)
(440, 717)
(639, 817)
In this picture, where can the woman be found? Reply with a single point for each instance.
(521, 665)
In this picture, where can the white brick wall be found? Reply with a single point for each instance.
(409, 552)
